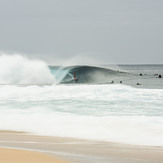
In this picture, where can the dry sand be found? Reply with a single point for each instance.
(22, 156)
(79, 151)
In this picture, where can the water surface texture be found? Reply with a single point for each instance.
(46, 100)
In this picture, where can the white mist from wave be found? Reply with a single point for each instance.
(17, 69)
(85, 58)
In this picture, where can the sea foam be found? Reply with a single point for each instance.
(115, 113)
(17, 69)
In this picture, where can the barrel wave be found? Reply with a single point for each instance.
(86, 74)
(17, 69)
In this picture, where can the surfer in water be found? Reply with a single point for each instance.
(75, 78)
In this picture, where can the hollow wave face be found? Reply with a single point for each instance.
(17, 69)
(86, 74)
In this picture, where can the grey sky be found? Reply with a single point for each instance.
(108, 31)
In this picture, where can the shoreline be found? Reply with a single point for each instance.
(80, 151)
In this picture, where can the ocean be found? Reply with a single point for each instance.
(114, 103)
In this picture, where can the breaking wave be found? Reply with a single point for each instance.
(86, 74)
(16, 69)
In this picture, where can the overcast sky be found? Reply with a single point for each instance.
(107, 31)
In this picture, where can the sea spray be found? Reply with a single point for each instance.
(17, 69)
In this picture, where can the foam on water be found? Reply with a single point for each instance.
(116, 113)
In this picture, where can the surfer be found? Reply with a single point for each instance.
(159, 76)
(75, 78)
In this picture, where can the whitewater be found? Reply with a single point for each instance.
(45, 100)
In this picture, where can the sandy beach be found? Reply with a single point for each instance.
(23, 156)
(23, 147)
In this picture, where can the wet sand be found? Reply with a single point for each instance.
(79, 151)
